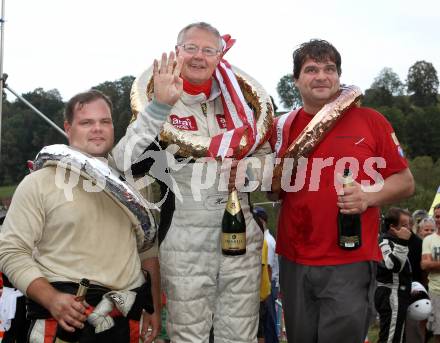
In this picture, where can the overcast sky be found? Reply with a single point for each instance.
(72, 45)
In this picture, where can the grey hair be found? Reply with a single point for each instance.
(426, 220)
(202, 26)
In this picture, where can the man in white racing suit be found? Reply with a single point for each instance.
(203, 287)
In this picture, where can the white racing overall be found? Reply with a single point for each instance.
(202, 286)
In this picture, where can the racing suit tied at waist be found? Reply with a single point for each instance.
(104, 304)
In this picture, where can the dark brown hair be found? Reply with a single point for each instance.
(392, 217)
(79, 100)
(318, 50)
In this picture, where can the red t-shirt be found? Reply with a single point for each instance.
(307, 228)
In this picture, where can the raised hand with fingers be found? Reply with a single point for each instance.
(168, 85)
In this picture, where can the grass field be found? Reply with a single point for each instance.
(7, 191)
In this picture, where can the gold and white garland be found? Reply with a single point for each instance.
(193, 145)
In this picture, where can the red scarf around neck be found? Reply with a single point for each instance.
(193, 89)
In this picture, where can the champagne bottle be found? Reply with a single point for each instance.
(63, 336)
(233, 227)
(349, 225)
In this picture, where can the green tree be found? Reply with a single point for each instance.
(422, 132)
(403, 103)
(25, 133)
(427, 178)
(288, 92)
(422, 168)
(382, 91)
(398, 121)
(388, 80)
(423, 83)
(376, 97)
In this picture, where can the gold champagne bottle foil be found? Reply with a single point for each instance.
(233, 205)
(347, 181)
(82, 288)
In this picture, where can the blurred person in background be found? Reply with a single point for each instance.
(270, 329)
(431, 264)
(416, 217)
(415, 331)
(394, 277)
(426, 227)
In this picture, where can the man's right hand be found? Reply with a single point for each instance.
(63, 307)
(168, 85)
(67, 311)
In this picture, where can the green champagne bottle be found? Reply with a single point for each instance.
(233, 227)
(349, 225)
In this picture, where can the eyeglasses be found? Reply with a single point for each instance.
(193, 49)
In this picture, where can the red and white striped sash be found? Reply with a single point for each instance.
(239, 116)
(280, 138)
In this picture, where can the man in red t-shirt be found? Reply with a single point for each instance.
(326, 290)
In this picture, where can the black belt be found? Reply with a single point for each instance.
(143, 300)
